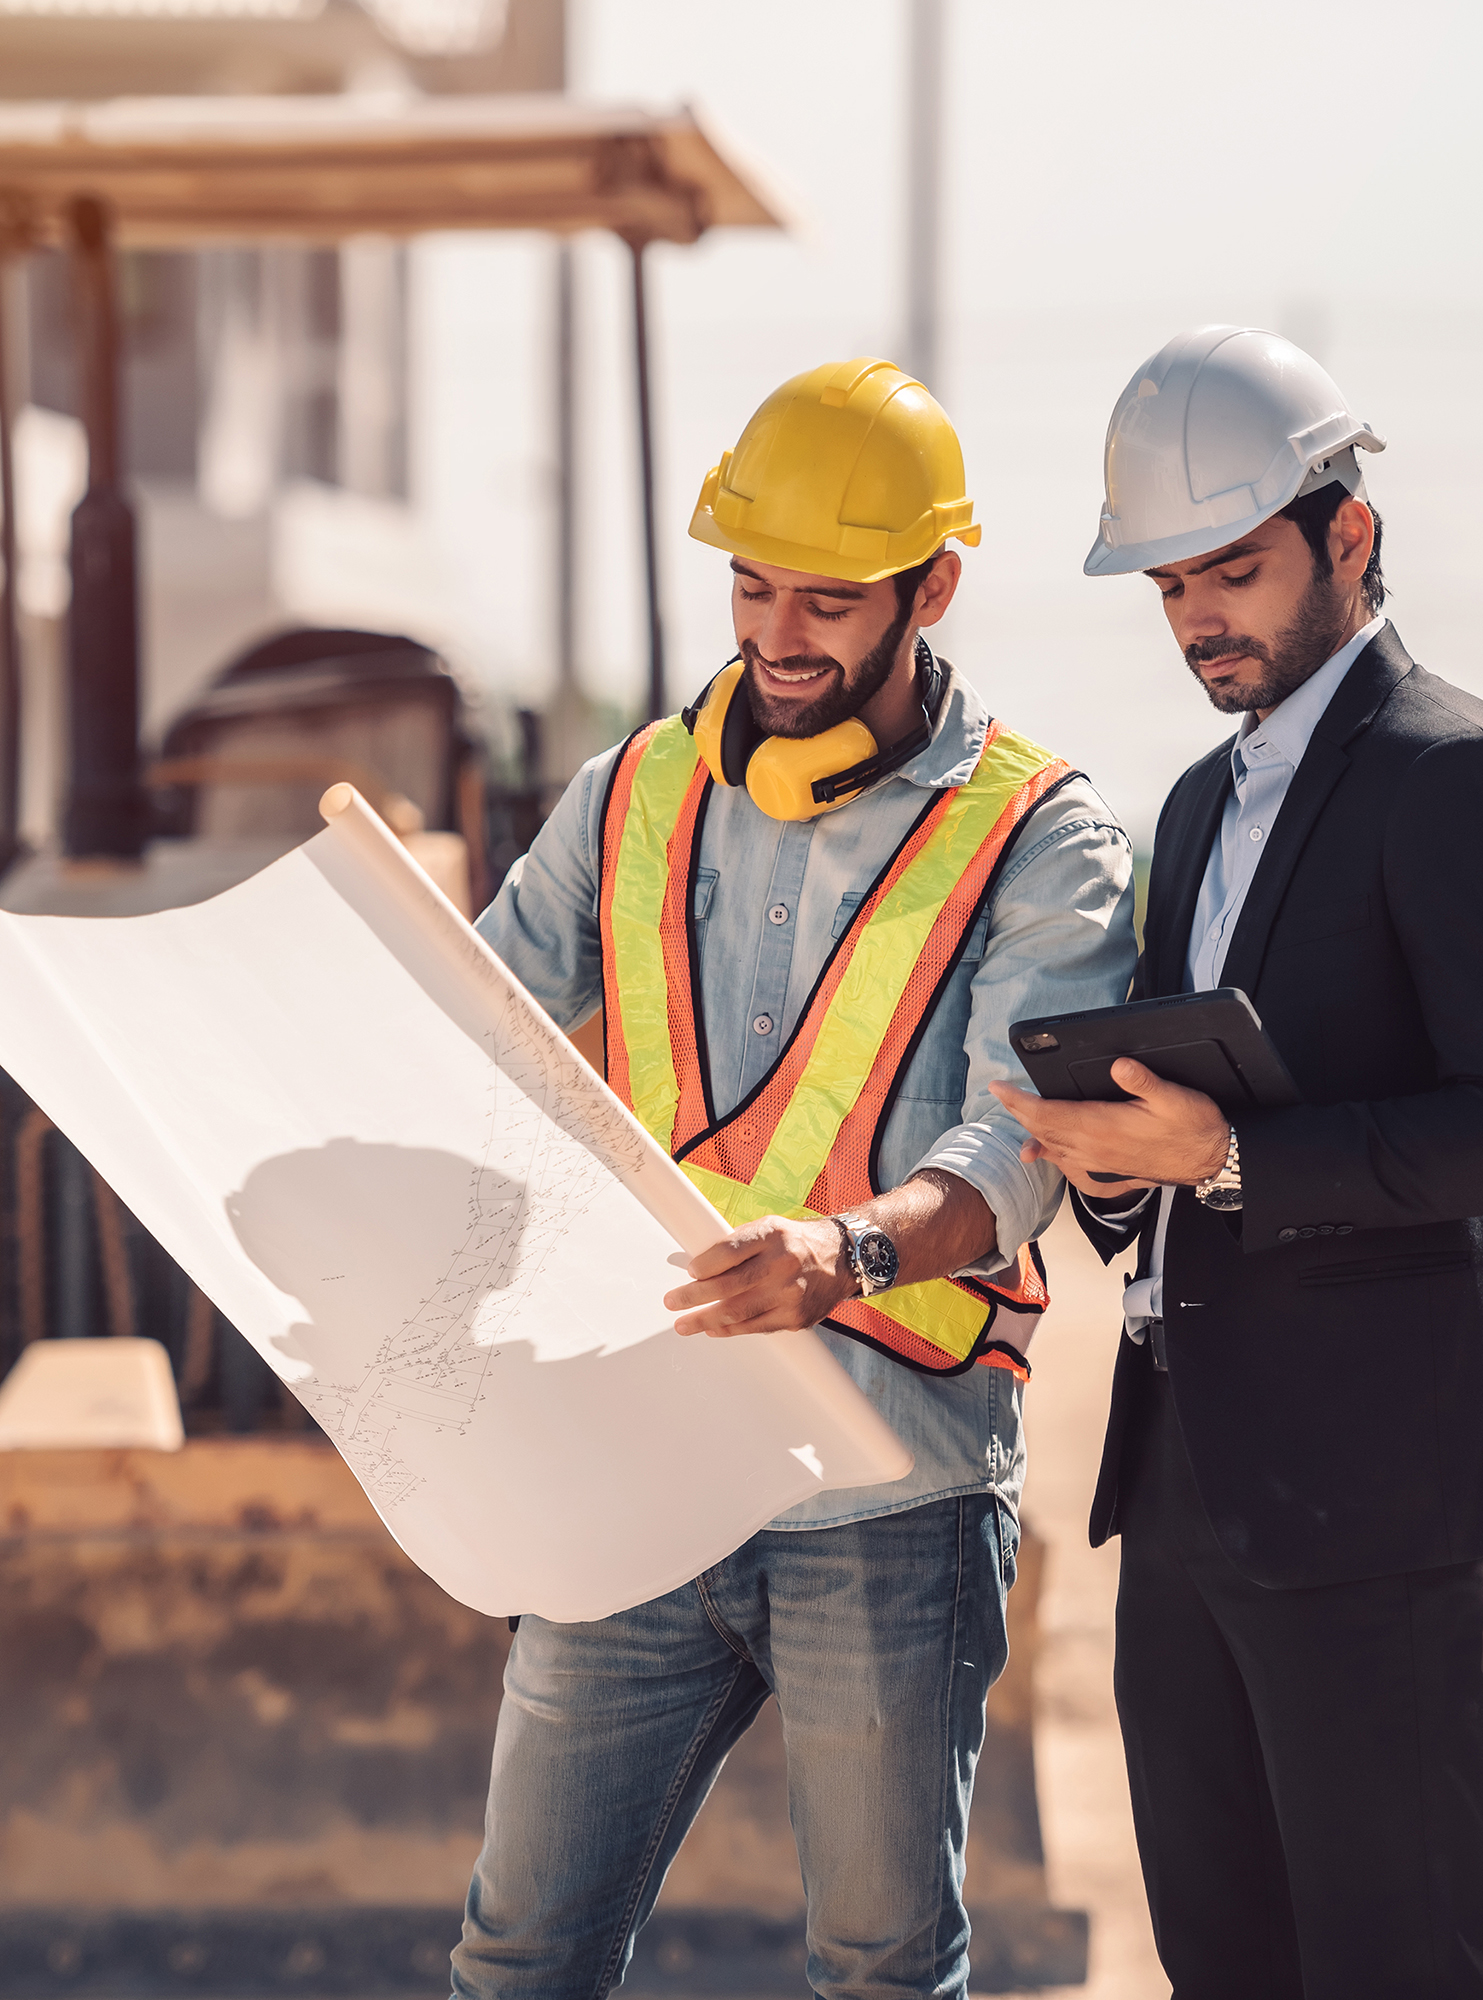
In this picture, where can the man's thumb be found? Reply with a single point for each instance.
(1132, 1076)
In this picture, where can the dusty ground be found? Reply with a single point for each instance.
(1092, 1862)
(1088, 1832)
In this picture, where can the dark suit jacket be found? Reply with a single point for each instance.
(1326, 1344)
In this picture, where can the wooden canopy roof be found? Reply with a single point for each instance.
(196, 170)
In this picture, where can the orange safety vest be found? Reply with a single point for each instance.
(805, 1140)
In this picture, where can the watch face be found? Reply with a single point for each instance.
(878, 1259)
(1222, 1197)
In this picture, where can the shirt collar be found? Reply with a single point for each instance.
(951, 758)
(1287, 731)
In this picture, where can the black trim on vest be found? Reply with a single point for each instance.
(970, 1359)
(692, 948)
(981, 1346)
(602, 870)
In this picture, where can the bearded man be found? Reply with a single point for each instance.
(810, 908)
(1295, 1455)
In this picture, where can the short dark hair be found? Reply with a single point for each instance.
(1313, 514)
(907, 580)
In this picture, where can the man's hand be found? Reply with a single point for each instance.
(769, 1277)
(1166, 1135)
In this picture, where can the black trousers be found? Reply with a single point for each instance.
(1306, 1766)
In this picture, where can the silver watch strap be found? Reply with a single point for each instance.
(1229, 1175)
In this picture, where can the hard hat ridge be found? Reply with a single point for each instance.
(851, 470)
(1218, 431)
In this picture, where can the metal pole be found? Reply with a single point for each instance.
(646, 455)
(566, 471)
(10, 639)
(924, 191)
(107, 809)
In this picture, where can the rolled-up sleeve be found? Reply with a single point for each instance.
(1060, 938)
(544, 921)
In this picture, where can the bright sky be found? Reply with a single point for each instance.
(1112, 174)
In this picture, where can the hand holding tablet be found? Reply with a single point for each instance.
(1212, 1042)
(1210, 1046)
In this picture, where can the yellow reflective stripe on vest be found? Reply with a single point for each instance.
(640, 876)
(885, 958)
(943, 1313)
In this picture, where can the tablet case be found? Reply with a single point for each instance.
(1212, 1042)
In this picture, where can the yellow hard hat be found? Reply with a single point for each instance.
(851, 470)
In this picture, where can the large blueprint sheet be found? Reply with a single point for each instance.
(359, 1135)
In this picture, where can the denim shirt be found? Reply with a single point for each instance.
(771, 897)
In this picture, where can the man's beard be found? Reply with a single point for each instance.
(840, 699)
(1294, 656)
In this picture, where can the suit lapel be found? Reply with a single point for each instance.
(1323, 765)
(1175, 883)
(1361, 692)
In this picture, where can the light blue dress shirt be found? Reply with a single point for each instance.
(771, 897)
(1264, 758)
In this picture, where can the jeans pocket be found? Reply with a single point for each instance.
(1009, 1543)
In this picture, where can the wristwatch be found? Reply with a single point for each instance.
(1223, 1190)
(870, 1252)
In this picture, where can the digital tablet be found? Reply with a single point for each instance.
(1213, 1042)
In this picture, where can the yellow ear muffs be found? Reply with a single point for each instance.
(721, 723)
(783, 770)
(779, 772)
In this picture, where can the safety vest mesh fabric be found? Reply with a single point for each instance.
(806, 1140)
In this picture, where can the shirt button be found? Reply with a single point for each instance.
(1256, 833)
(762, 1025)
(1215, 935)
(778, 914)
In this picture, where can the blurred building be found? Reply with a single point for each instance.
(306, 432)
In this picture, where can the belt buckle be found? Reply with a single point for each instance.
(1156, 1343)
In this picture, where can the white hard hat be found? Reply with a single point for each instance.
(1223, 428)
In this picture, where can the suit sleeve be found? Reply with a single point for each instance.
(1400, 1161)
(1110, 1223)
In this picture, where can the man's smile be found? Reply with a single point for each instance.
(793, 677)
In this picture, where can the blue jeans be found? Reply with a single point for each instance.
(880, 1640)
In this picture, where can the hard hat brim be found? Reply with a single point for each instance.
(1204, 540)
(823, 562)
(1139, 556)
